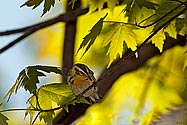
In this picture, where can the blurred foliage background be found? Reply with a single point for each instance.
(138, 97)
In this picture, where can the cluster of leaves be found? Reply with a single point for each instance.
(142, 21)
(157, 20)
(147, 21)
(43, 98)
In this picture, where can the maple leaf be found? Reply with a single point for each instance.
(89, 39)
(117, 34)
(28, 78)
(96, 4)
(166, 11)
(171, 30)
(35, 3)
(158, 40)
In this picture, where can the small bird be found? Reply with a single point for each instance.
(80, 77)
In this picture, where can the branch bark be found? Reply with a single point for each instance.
(147, 52)
(70, 16)
(69, 40)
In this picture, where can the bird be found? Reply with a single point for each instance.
(79, 78)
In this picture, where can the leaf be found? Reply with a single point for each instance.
(181, 26)
(111, 4)
(89, 39)
(28, 78)
(3, 120)
(96, 4)
(115, 38)
(166, 11)
(31, 113)
(133, 6)
(47, 5)
(171, 30)
(56, 92)
(36, 3)
(158, 40)
(47, 116)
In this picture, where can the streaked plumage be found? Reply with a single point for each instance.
(80, 77)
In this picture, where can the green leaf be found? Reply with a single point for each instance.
(28, 78)
(3, 120)
(158, 40)
(171, 30)
(133, 6)
(56, 92)
(47, 116)
(47, 5)
(166, 11)
(115, 38)
(181, 26)
(31, 113)
(96, 4)
(89, 39)
(48, 95)
(111, 4)
(36, 3)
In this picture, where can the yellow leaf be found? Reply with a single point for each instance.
(171, 30)
(96, 4)
(116, 47)
(129, 37)
(111, 4)
(116, 35)
(158, 40)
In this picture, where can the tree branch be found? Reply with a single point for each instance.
(132, 63)
(67, 17)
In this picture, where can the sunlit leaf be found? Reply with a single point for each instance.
(158, 40)
(90, 38)
(133, 6)
(28, 78)
(3, 120)
(56, 92)
(47, 116)
(115, 38)
(145, 16)
(96, 4)
(166, 11)
(171, 30)
(111, 4)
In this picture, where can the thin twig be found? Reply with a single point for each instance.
(31, 29)
(16, 109)
(35, 118)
